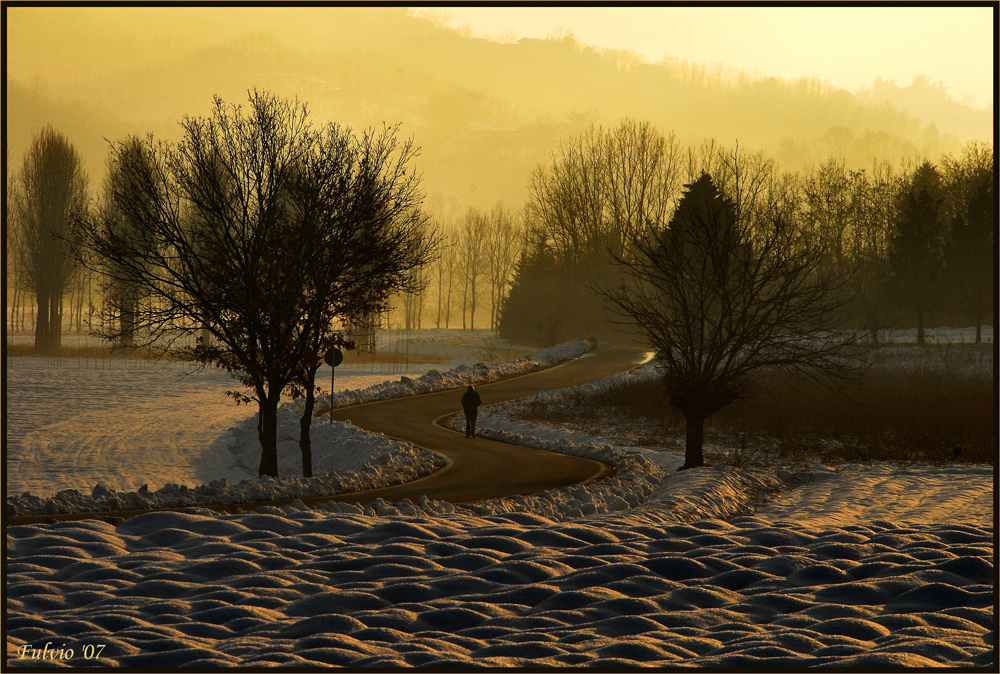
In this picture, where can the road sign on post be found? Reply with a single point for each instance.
(333, 358)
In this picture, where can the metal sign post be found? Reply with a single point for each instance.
(333, 358)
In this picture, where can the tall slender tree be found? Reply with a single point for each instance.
(444, 276)
(502, 247)
(875, 197)
(133, 154)
(969, 265)
(472, 262)
(10, 235)
(52, 190)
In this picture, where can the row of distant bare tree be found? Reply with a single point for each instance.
(471, 275)
(748, 268)
(473, 272)
(598, 190)
(914, 240)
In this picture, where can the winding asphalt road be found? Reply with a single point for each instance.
(480, 468)
(477, 469)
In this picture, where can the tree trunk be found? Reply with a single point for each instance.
(437, 320)
(693, 450)
(128, 323)
(472, 306)
(267, 433)
(90, 298)
(79, 309)
(34, 315)
(42, 320)
(447, 304)
(55, 321)
(465, 302)
(920, 325)
(15, 311)
(979, 329)
(305, 423)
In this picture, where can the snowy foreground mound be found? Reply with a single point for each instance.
(306, 588)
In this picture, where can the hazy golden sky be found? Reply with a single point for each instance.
(848, 46)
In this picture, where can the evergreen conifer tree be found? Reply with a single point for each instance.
(916, 247)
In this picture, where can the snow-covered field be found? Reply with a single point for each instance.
(850, 566)
(126, 425)
(74, 422)
(345, 458)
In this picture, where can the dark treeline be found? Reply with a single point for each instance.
(915, 238)
(914, 241)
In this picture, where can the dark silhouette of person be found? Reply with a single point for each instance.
(470, 403)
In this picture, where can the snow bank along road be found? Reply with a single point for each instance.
(482, 469)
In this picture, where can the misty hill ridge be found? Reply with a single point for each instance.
(485, 113)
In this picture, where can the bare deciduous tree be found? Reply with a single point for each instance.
(722, 297)
(356, 196)
(444, 279)
(877, 197)
(503, 248)
(567, 201)
(123, 297)
(603, 187)
(10, 234)
(262, 230)
(597, 191)
(471, 262)
(52, 189)
(414, 298)
(850, 215)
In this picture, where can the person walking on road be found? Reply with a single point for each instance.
(470, 403)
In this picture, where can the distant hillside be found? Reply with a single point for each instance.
(485, 113)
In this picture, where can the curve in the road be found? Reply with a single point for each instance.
(480, 468)
(477, 469)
